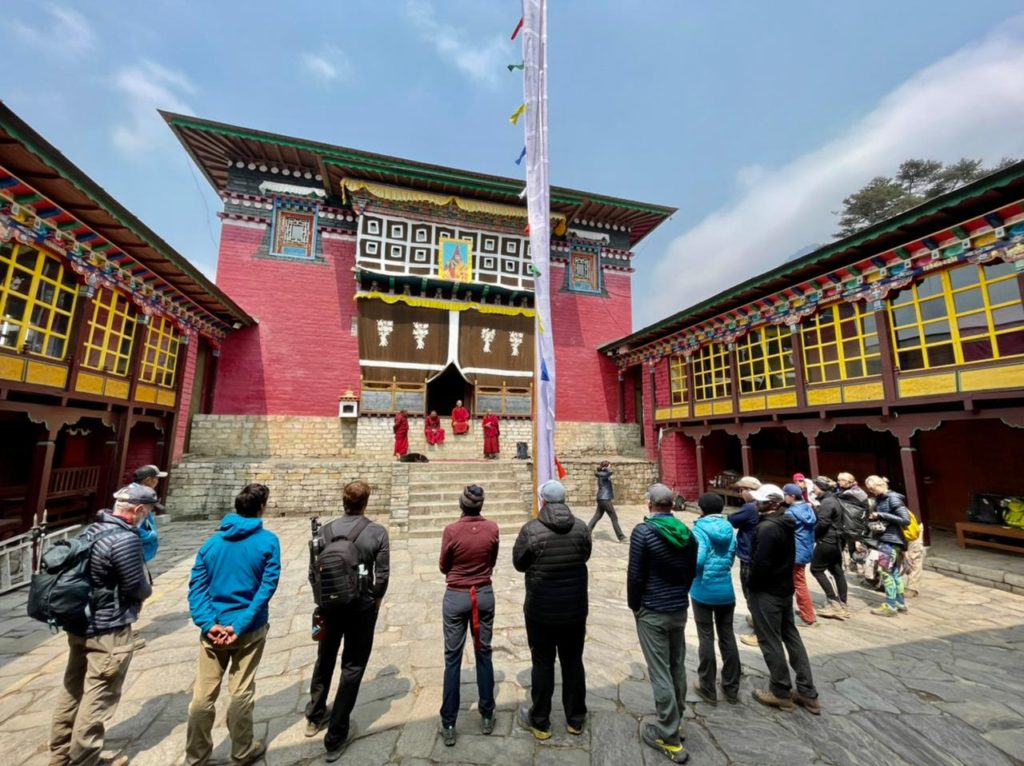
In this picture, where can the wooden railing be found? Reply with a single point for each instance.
(68, 482)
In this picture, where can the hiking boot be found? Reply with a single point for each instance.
(523, 719)
(847, 614)
(811, 704)
(832, 611)
(259, 750)
(674, 751)
(750, 639)
(885, 610)
(313, 727)
(336, 753)
(709, 697)
(765, 697)
(750, 621)
(575, 730)
(448, 735)
(901, 606)
(487, 724)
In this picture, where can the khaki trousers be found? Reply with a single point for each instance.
(93, 680)
(913, 565)
(243, 656)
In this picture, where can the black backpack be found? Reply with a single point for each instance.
(61, 593)
(854, 519)
(336, 577)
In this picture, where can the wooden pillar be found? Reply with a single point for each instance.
(108, 483)
(701, 483)
(138, 347)
(621, 417)
(79, 333)
(734, 379)
(39, 477)
(886, 352)
(813, 455)
(745, 456)
(797, 347)
(911, 464)
(690, 392)
(124, 431)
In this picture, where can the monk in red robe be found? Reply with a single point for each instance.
(491, 432)
(460, 419)
(432, 428)
(401, 429)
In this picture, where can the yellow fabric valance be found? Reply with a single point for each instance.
(401, 194)
(437, 303)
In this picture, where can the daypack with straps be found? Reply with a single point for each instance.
(854, 519)
(61, 594)
(337, 580)
(913, 530)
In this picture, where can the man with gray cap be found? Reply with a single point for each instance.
(662, 564)
(149, 476)
(98, 659)
(553, 550)
(745, 521)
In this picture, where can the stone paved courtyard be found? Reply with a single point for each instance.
(944, 685)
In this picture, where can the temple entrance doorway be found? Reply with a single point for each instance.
(446, 388)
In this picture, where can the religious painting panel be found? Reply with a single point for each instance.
(584, 274)
(293, 233)
(495, 342)
(455, 259)
(401, 333)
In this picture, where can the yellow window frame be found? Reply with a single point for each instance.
(911, 298)
(42, 338)
(110, 334)
(160, 355)
(811, 341)
(677, 379)
(712, 373)
(754, 359)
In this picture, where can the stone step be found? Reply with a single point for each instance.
(507, 530)
(453, 504)
(449, 514)
(450, 466)
(452, 494)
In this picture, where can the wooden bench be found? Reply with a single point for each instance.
(965, 528)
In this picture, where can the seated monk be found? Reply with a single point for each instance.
(460, 419)
(432, 428)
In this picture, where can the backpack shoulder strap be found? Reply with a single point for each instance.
(365, 523)
(330, 537)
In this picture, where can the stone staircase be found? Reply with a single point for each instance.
(434, 489)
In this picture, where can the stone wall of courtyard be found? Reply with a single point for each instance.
(631, 479)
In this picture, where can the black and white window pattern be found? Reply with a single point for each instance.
(399, 246)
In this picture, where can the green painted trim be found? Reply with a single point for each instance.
(949, 199)
(340, 156)
(63, 167)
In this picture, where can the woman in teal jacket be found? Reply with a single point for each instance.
(714, 601)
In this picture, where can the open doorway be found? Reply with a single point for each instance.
(446, 388)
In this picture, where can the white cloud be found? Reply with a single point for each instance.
(968, 104)
(148, 86)
(66, 31)
(328, 65)
(481, 61)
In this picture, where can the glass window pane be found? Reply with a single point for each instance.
(851, 349)
(60, 324)
(813, 356)
(907, 337)
(962, 276)
(814, 375)
(55, 348)
(911, 360)
(34, 341)
(933, 309)
(854, 369)
(936, 332)
(51, 269)
(830, 353)
(810, 337)
(977, 350)
(1010, 316)
(1004, 292)
(65, 300)
(968, 300)
(941, 355)
(27, 258)
(1011, 343)
(874, 366)
(45, 292)
(21, 282)
(932, 286)
(40, 316)
(904, 316)
(93, 359)
(832, 371)
(15, 308)
(972, 324)
(867, 324)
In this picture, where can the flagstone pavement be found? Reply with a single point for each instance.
(943, 685)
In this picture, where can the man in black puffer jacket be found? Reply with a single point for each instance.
(98, 660)
(553, 550)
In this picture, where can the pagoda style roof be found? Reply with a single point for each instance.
(56, 190)
(215, 146)
(981, 205)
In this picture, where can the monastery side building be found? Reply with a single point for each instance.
(382, 284)
(897, 351)
(107, 335)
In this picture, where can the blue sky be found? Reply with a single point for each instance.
(755, 119)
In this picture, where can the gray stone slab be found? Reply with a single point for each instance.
(614, 739)
(1010, 741)
(478, 749)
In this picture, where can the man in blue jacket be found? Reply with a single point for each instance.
(234, 577)
(803, 514)
(662, 562)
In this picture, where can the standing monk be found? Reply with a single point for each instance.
(401, 429)
(460, 419)
(491, 432)
(432, 428)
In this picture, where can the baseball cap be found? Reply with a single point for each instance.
(767, 492)
(793, 489)
(747, 482)
(552, 491)
(139, 494)
(149, 472)
(659, 494)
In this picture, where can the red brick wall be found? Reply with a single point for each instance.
(679, 464)
(181, 426)
(587, 381)
(302, 355)
(663, 398)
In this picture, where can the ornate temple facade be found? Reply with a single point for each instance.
(381, 284)
(108, 337)
(897, 351)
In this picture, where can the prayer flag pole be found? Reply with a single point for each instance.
(535, 91)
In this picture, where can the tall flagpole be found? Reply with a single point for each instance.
(535, 90)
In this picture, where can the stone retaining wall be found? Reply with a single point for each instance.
(272, 436)
(630, 479)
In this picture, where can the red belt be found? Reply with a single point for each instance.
(475, 619)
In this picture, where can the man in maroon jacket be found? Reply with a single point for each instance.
(469, 549)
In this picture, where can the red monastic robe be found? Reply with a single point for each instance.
(432, 429)
(460, 420)
(401, 430)
(491, 432)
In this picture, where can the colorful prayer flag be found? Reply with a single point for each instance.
(521, 155)
(519, 26)
(514, 118)
(519, 66)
